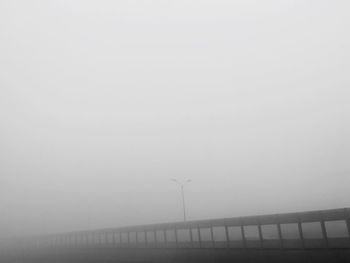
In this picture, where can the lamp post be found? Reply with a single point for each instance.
(182, 185)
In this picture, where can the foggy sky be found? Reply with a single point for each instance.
(102, 102)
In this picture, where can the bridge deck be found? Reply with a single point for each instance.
(296, 235)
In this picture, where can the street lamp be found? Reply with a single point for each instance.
(181, 185)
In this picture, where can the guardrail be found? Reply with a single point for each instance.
(327, 229)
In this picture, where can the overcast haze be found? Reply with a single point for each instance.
(102, 102)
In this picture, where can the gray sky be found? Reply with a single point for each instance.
(102, 102)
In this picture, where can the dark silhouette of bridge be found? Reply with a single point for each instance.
(314, 236)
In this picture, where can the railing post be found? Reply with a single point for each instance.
(106, 239)
(80, 239)
(155, 237)
(68, 240)
(176, 238)
(261, 240)
(199, 237)
(165, 238)
(146, 239)
(113, 239)
(324, 232)
(76, 240)
(279, 231)
(87, 239)
(128, 235)
(100, 235)
(120, 239)
(243, 235)
(227, 236)
(301, 234)
(347, 219)
(63, 241)
(212, 235)
(137, 238)
(191, 236)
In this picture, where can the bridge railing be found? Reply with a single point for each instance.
(305, 230)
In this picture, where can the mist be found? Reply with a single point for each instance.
(104, 102)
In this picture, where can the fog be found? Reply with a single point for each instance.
(103, 102)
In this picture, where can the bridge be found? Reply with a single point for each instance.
(313, 236)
